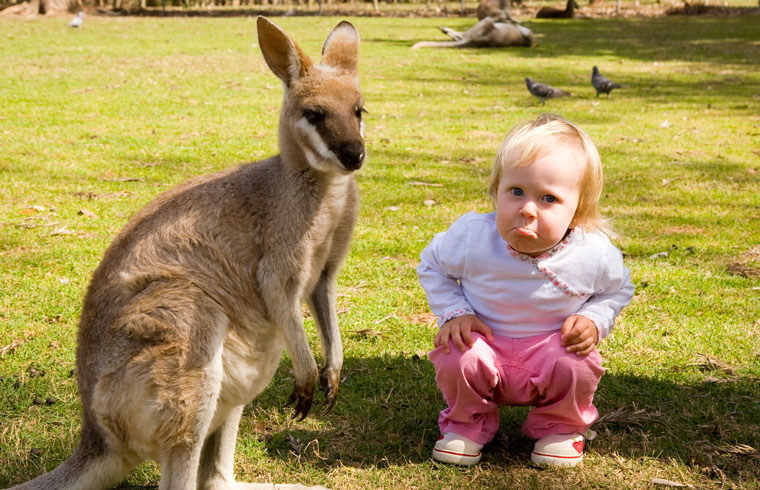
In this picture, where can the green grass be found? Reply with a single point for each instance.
(106, 118)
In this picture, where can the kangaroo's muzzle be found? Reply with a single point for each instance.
(351, 155)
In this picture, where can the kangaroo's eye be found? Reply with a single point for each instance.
(359, 112)
(313, 116)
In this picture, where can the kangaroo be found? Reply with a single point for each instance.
(555, 13)
(187, 315)
(496, 9)
(487, 33)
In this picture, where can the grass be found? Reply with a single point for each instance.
(95, 123)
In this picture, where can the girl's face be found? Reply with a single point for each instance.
(535, 204)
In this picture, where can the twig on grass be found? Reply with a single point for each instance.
(628, 416)
(710, 363)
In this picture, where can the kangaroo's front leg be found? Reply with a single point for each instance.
(322, 306)
(282, 299)
(304, 366)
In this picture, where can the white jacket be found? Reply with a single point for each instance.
(471, 269)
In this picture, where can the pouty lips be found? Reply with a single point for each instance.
(525, 231)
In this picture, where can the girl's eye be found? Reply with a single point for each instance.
(550, 198)
(313, 116)
(516, 191)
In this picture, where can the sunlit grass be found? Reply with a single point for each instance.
(97, 122)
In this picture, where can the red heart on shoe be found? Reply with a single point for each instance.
(578, 445)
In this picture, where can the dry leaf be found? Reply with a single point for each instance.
(668, 483)
(87, 212)
(125, 179)
(295, 444)
(62, 230)
(10, 348)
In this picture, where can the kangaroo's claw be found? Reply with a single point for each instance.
(329, 380)
(303, 398)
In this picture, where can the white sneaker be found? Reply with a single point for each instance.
(560, 449)
(456, 449)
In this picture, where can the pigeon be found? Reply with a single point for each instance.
(601, 83)
(77, 21)
(543, 91)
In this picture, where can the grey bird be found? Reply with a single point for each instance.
(77, 21)
(602, 84)
(543, 91)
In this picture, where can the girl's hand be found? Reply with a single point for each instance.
(579, 335)
(460, 330)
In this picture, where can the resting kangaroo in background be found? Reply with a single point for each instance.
(487, 33)
(555, 13)
(187, 315)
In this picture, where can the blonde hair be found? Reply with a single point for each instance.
(531, 140)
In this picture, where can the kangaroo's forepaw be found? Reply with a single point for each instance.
(303, 397)
(329, 379)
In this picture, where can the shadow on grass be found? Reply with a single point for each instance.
(388, 409)
(719, 40)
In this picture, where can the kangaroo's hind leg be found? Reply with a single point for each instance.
(455, 35)
(218, 456)
(217, 460)
(161, 401)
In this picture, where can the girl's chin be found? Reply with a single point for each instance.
(529, 251)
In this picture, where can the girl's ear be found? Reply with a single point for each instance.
(575, 221)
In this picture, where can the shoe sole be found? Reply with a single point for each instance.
(455, 458)
(555, 460)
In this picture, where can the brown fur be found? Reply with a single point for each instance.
(498, 10)
(188, 313)
(555, 13)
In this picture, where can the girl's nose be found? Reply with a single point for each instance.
(529, 210)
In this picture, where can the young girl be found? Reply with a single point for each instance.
(523, 295)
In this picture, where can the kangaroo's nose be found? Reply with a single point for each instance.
(351, 155)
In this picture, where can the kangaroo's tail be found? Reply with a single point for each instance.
(92, 466)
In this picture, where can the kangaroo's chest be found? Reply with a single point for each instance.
(330, 231)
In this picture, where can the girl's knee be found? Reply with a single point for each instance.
(581, 370)
(475, 359)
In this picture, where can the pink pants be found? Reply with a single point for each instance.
(533, 371)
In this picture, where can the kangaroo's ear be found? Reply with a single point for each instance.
(341, 48)
(283, 56)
